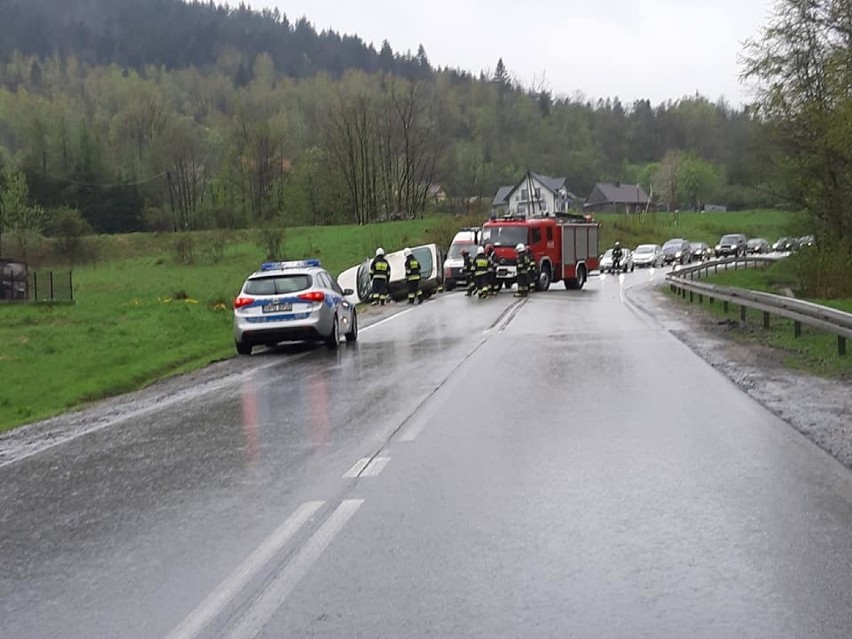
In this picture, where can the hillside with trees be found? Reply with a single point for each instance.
(157, 114)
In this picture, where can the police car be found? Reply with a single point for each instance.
(292, 301)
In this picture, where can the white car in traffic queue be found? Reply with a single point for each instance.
(292, 302)
(627, 264)
(648, 255)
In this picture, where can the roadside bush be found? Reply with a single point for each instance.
(213, 247)
(184, 247)
(69, 229)
(823, 272)
(271, 240)
(443, 231)
(158, 220)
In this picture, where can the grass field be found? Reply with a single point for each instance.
(141, 315)
(815, 351)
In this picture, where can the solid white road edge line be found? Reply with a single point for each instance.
(360, 465)
(236, 581)
(260, 613)
(375, 467)
(387, 319)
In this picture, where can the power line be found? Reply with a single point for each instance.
(57, 178)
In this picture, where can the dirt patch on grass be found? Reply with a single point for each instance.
(818, 407)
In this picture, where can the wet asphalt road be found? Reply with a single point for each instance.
(550, 468)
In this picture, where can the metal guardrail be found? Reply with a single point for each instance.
(801, 312)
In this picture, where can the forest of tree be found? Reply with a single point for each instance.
(156, 114)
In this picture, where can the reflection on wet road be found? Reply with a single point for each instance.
(555, 467)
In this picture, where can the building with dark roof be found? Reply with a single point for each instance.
(615, 197)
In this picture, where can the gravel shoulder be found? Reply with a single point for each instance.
(819, 408)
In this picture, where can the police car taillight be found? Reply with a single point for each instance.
(243, 301)
(313, 296)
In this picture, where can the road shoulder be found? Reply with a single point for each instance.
(27, 440)
(819, 408)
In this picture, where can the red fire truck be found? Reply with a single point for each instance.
(565, 247)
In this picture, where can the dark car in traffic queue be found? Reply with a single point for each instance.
(757, 246)
(292, 302)
(677, 251)
(700, 251)
(731, 245)
(783, 244)
(804, 242)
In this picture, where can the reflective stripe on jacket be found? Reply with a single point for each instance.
(412, 268)
(480, 265)
(380, 269)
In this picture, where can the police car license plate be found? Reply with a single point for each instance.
(277, 308)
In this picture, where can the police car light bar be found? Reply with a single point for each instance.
(281, 266)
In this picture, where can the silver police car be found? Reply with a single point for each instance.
(292, 301)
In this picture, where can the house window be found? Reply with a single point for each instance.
(525, 194)
(538, 194)
(522, 209)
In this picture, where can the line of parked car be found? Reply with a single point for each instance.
(682, 251)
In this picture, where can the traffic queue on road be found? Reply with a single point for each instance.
(302, 301)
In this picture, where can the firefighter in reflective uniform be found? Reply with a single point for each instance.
(523, 272)
(493, 282)
(532, 271)
(380, 272)
(467, 269)
(617, 254)
(480, 273)
(412, 277)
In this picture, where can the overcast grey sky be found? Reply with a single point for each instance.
(657, 49)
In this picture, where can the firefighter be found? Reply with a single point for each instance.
(480, 273)
(493, 283)
(380, 272)
(412, 277)
(617, 254)
(523, 272)
(532, 271)
(467, 269)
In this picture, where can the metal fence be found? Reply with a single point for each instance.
(18, 283)
(822, 317)
(51, 286)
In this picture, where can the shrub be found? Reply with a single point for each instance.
(158, 220)
(185, 249)
(213, 247)
(823, 272)
(69, 227)
(271, 240)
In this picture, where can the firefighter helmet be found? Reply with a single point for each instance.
(380, 251)
(406, 251)
(480, 250)
(520, 248)
(618, 245)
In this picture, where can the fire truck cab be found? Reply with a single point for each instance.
(564, 247)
